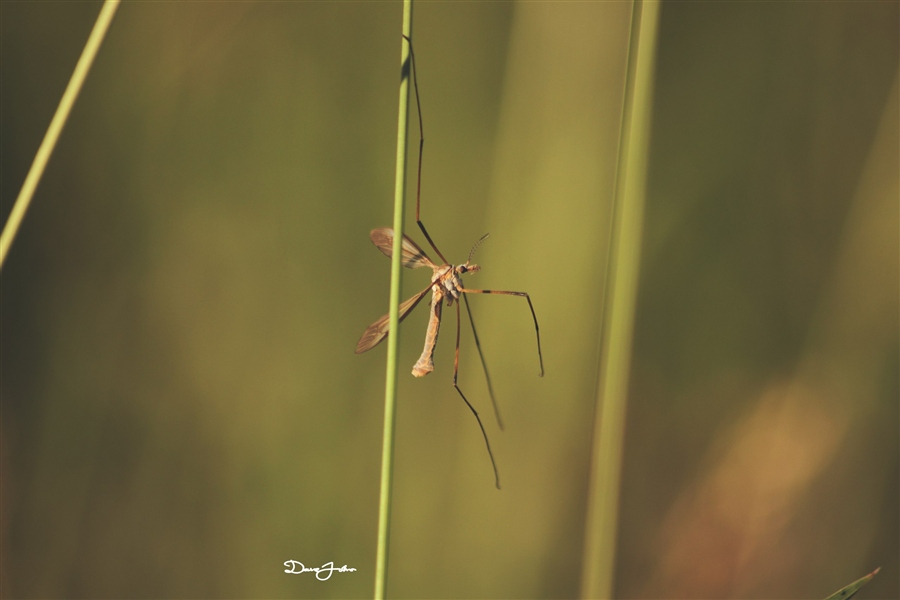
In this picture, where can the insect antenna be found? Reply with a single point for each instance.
(475, 247)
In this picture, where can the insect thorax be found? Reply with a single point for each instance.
(448, 281)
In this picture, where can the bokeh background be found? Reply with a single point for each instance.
(182, 409)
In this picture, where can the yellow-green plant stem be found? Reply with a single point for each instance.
(56, 125)
(390, 385)
(598, 567)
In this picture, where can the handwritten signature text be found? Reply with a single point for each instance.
(323, 573)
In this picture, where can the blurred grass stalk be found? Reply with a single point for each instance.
(847, 592)
(390, 386)
(56, 125)
(598, 565)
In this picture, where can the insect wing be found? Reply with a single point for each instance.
(378, 330)
(413, 256)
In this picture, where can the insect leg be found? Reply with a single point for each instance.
(412, 56)
(474, 412)
(487, 375)
(537, 329)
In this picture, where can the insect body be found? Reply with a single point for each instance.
(446, 287)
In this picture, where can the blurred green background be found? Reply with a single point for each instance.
(182, 410)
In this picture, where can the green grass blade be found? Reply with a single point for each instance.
(390, 387)
(615, 361)
(849, 591)
(56, 126)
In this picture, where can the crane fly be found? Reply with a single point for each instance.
(446, 287)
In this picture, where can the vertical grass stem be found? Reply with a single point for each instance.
(390, 386)
(598, 566)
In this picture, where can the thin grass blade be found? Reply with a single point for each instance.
(598, 565)
(849, 591)
(390, 386)
(23, 200)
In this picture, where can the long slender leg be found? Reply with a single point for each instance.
(412, 56)
(487, 375)
(474, 412)
(537, 329)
